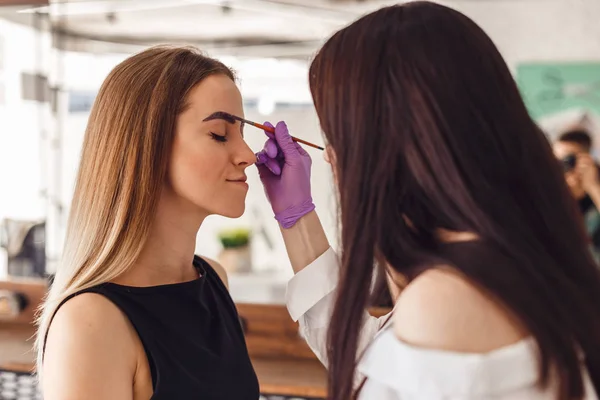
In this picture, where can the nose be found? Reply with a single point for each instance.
(244, 156)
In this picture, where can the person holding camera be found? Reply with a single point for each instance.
(573, 149)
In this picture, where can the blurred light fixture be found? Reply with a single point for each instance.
(266, 105)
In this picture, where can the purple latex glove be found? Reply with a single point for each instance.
(284, 169)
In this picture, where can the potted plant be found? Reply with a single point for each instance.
(235, 256)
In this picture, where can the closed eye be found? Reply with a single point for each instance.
(219, 138)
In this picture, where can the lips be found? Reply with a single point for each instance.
(241, 179)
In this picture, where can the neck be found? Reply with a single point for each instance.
(168, 254)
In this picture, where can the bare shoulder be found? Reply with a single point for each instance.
(219, 270)
(90, 342)
(441, 309)
(89, 317)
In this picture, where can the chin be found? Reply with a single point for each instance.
(234, 212)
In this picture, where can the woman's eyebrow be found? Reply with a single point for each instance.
(221, 115)
(227, 118)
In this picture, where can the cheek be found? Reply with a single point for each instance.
(326, 156)
(329, 158)
(197, 174)
(194, 167)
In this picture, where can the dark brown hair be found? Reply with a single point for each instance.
(428, 125)
(579, 137)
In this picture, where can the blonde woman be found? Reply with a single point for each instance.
(132, 313)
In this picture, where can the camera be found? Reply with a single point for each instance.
(569, 162)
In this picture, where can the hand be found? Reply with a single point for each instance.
(284, 169)
(588, 172)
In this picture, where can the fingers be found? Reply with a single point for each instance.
(271, 148)
(263, 171)
(269, 134)
(269, 158)
(265, 161)
(269, 168)
(261, 157)
(273, 166)
(301, 150)
(278, 148)
(584, 163)
(585, 159)
(284, 140)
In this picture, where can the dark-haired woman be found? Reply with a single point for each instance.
(446, 183)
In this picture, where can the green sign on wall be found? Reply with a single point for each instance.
(549, 88)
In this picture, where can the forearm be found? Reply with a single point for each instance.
(305, 241)
(311, 296)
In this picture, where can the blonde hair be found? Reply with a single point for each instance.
(122, 170)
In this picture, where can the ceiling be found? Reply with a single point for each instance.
(253, 28)
(257, 28)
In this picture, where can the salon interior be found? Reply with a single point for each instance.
(54, 55)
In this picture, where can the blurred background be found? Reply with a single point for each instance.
(54, 56)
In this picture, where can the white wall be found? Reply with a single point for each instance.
(20, 126)
(538, 30)
(22, 174)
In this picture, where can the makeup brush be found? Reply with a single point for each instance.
(272, 130)
(232, 118)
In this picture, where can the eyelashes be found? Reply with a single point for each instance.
(219, 138)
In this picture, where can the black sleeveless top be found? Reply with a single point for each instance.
(192, 337)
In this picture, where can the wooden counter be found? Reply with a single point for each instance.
(302, 378)
(16, 348)
(282, 360)
(287, 377)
